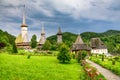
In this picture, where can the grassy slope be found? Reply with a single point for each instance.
(17, 67)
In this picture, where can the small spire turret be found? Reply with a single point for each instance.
(59, 31)
(59, 36)
(43, 31)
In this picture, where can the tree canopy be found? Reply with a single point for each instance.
(64, 54)
(47, 45)
(34, 41)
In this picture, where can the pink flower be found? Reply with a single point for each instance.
(100, 79)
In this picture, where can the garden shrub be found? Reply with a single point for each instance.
(116, 58)
(81, 56)
(103, 57)
(49, 52)
(64, 54)
(108, 63)
(29, 55)
(109, 59)
(73, 56)
(113, 62)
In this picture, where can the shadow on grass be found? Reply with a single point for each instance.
(65, 62)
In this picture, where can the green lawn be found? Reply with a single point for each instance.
(18, 67)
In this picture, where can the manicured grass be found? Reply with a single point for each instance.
(107, 63)
(18, 67)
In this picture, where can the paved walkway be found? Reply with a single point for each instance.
(107, 74)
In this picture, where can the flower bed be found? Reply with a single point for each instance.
(92, 73)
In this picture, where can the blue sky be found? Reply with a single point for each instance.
(75, 16)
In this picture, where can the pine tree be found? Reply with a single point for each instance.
(14, 48)
(34, 41)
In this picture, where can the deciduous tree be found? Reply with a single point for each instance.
(64, 54)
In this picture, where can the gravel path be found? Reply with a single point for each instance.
(107, 74)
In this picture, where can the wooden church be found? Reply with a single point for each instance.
(79, 45)
(22, 40)
(42, 39)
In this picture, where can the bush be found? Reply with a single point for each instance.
(64, 54)
(8, 49)
(73, 56)
(113, 62)
(29, 56)
(116, 58)
(47, 45)
(109, 59)
(103, 57)
(49, 52)
(81, 55)
(23, 52)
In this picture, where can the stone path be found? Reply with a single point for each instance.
(107, 74)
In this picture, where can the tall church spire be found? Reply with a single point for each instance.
(24, 28)
(24, 16)
(42, 38)
(42, 32)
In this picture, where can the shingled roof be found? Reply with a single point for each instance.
(19, 39)
(79, 45)
(96, 43)
(79, 40)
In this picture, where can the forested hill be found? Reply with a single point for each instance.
(6, 38)
(111, 38)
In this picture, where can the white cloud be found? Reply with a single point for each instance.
(93, 9)
(76, 9)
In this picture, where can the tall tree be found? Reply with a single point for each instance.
(34, 41)
(14, 48)
(64, 54)
(47, 45)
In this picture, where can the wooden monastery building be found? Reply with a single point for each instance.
(79, 45)
(98, 46)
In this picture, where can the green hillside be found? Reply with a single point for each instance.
(111, 38)
(6, 39)
(111, 32)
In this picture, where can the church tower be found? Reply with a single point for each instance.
(24, 28)
(42, 38)
(22, 39)
(59, 36)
